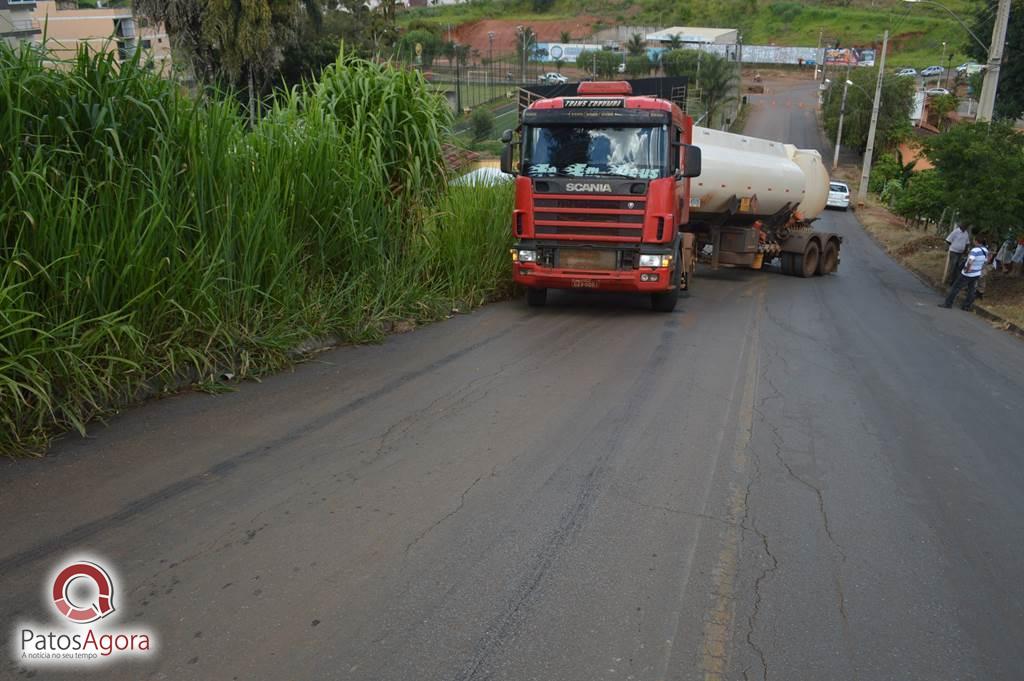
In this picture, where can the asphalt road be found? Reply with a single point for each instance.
(785, 479)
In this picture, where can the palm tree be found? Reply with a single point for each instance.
(675, 42)
(718, 78)
(564, 37)
(635, 44)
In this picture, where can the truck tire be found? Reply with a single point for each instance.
(788, 264)
(829, 261)
(536, 297)
(666, 302)
(808, 264)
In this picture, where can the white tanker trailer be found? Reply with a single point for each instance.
(755, 200)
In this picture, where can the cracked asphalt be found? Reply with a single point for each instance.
(785, 479)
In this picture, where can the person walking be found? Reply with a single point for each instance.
(968, 276)
(958, 241)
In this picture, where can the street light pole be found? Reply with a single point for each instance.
(842, 112)
(821, 33)
(987, 100)
(865, 173)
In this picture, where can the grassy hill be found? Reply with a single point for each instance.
(917, 31)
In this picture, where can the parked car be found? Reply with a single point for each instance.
(969, 69)
(907, 72)
(553, 78)
(936, 91)
(932, 71)
(838, 195)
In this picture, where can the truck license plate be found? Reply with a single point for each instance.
(584, 283)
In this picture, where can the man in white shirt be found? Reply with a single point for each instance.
(969, 275)
(958, 241)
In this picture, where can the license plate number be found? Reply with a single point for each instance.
(586, 259)
(584, 283)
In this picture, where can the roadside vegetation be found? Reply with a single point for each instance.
(910, 211)
(151, 239)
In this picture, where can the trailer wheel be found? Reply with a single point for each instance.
(809, 264)
(536, 297)
(829, 260)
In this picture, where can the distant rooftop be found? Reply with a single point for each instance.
(694, 34)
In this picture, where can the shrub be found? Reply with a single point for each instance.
(481, 121)
(145, 237)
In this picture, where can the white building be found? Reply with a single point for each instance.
(694, 34)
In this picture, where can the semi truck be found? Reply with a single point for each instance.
(618, 190)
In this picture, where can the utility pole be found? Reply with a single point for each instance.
(490, 57)
(842, 112)
(987, 100)
(865, 173)
(818, 56)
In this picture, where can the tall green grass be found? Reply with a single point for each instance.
(146, 236)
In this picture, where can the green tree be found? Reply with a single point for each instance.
(565, 37)
(718, 80)
(680, 62)
(559, 63)
(638, 65)
(942, 105)
(1010, 94)
(981, 167)
(526, 39)
(893, 115)
(921, 199)
(429, 42)
(586, 60)
(481, 122)
(607, 64)
(675, 42)
(635, 45)
(242, 31)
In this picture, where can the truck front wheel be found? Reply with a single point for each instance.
(666, 302)
(536, 297)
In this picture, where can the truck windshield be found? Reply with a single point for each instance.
(571, 151)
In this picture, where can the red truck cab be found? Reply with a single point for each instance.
(602, 193)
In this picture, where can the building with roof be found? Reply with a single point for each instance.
(694, 34)
(18, 22)
(69, 24)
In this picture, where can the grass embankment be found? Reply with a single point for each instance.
(147, 237)
(916, 31)
(924, 252)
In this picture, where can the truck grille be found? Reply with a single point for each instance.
(591, 218)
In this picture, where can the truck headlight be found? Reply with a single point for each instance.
(655, 260)
(527, 256)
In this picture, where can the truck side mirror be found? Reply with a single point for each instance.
(506, 136)
(691, 161)
(506, 159)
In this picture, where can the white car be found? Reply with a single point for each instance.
(907, 72)
(838, 195)
(969, 69)
(553, 78)
(936, 91)
(932, 71)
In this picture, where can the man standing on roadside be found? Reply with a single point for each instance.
(968, 276)
(958, 241)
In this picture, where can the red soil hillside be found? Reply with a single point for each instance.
(475, 33)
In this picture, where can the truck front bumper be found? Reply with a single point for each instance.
(641, 280)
